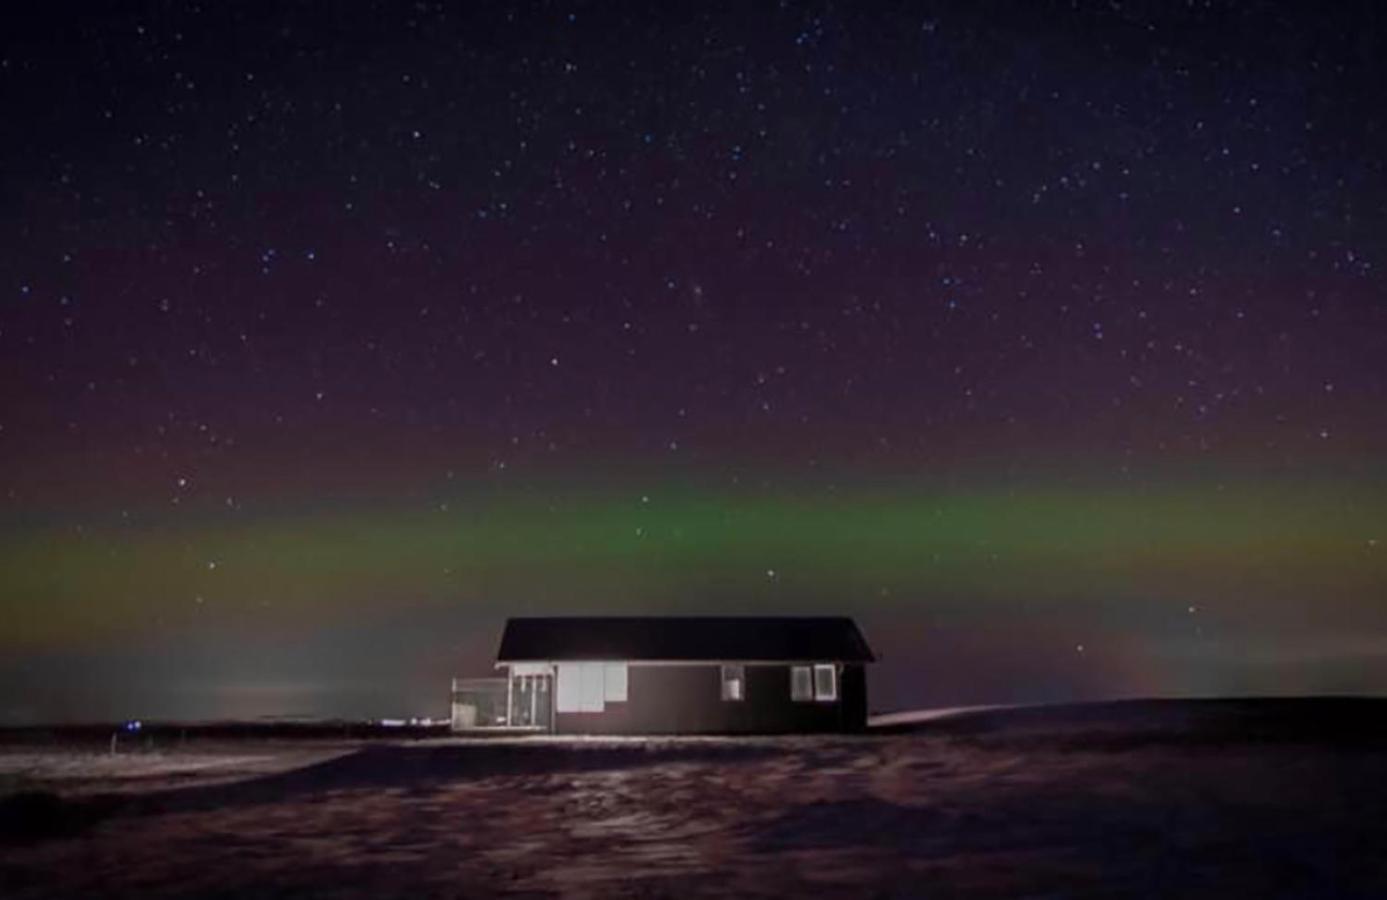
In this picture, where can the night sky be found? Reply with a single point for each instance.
(1048, 340)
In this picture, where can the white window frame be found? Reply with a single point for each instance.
(805, 696)
(830, 695)
(733, 674)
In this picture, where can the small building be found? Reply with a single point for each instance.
(679, 675)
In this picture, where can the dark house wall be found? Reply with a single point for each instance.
(687, 699)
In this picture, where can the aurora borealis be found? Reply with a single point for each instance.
(1049, 343)
(1041, 593)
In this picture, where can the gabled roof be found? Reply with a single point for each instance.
(676, 638)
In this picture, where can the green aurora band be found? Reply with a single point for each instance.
(683, 549)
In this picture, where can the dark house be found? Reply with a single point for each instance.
(705, 675)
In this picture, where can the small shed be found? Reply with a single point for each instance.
(684, 675)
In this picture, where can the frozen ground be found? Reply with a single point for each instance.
(1226, 799)
(82, 772)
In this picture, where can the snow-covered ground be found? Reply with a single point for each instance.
(90, 772)
(920, 716)
(1151, 800)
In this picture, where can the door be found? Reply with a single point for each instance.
(531, 701)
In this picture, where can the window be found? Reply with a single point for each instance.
(592, 681)
(817, 682)
(734, 682)
(583, 687)
(825, 682)
(568, 693)
(614, 683)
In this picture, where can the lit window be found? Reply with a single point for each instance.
(592, 679)
(801, 683)
(582, 687)
(614, 683)
(568, 696)
(825, 682)
(733, 682)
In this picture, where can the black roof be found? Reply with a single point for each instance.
(738, 638)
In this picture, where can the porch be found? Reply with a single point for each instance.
(517, 703)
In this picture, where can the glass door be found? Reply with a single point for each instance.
(531, 701)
